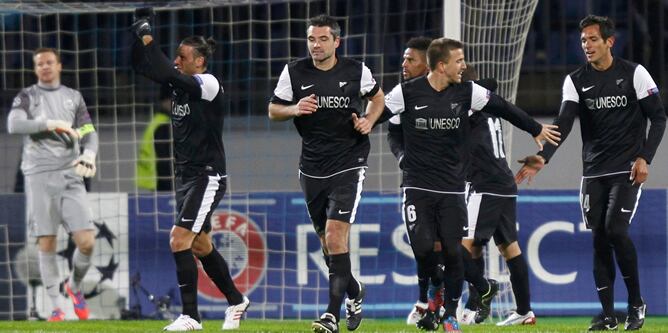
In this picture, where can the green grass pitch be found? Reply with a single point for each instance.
(545, 325)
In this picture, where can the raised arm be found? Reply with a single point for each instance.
(148, 60)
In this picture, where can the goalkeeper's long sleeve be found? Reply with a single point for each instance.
(90, 142)
(18, 123)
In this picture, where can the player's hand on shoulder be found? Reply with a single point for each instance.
(306, 105)
(63, 130)
(531, 165)
(639, 171)
(84, 166)
(362, 124)
(550, 134)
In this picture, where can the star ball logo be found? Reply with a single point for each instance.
(241, 242)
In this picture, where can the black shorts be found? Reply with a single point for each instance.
(332, 198)
(608, 200)
(432, 216)
(491, 216)
(197, 196)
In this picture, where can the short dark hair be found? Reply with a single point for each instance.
(605, 25)
(202, 47)
(439, 50)
(470, 74)
(419, 43)
(323, 20)
(46, 50)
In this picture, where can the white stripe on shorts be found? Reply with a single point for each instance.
(635, 207)
(207, 199)
(358, 194)
(473, 209)
(403, 214)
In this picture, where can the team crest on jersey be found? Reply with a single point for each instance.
(421, 123)
(242, 244)
(68, 104)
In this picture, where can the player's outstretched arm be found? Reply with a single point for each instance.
(531, 165)
(549, 134)
(282, 112)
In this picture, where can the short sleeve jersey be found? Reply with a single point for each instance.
(330, 143)
(435, 126)
(44, 151)
(197, 126)
(612, 123)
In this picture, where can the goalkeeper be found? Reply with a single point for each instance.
(54, 121)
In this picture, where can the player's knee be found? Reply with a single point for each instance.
(336, 240)
(86, 246)
(201, 249)
(452, 247)
(422, 250)
(177, 243)
(618, 237)
(336, 246)
(510, 251)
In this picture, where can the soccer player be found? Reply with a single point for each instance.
(415, 65)
(55, 123)
(613, 98)
(197, 124)
(323, 95)
(434, 113)
(492, 213)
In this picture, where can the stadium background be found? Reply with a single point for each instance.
(256, 39)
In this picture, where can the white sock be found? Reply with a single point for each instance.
(80, 265)
(48, 269)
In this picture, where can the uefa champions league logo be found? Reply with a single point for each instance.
(241, 242)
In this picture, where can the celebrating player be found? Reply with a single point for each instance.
(197, 125)
(323, 95)
(492, 213)
(415, 65)
(613, 98)
(54, 121)
(434, 113)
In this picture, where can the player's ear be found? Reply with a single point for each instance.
(199, 61)
(337, 41)
(610, 41)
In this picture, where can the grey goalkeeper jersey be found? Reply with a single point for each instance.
(43, 150)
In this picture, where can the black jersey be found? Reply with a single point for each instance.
(613, 106)
(436, 130)
(197, 111)
(489, 171)
(330, 143)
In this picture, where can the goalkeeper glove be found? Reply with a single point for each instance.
(141, 28)
(84, 166)
(64, 131)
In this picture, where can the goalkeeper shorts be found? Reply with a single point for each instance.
(55, 197)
